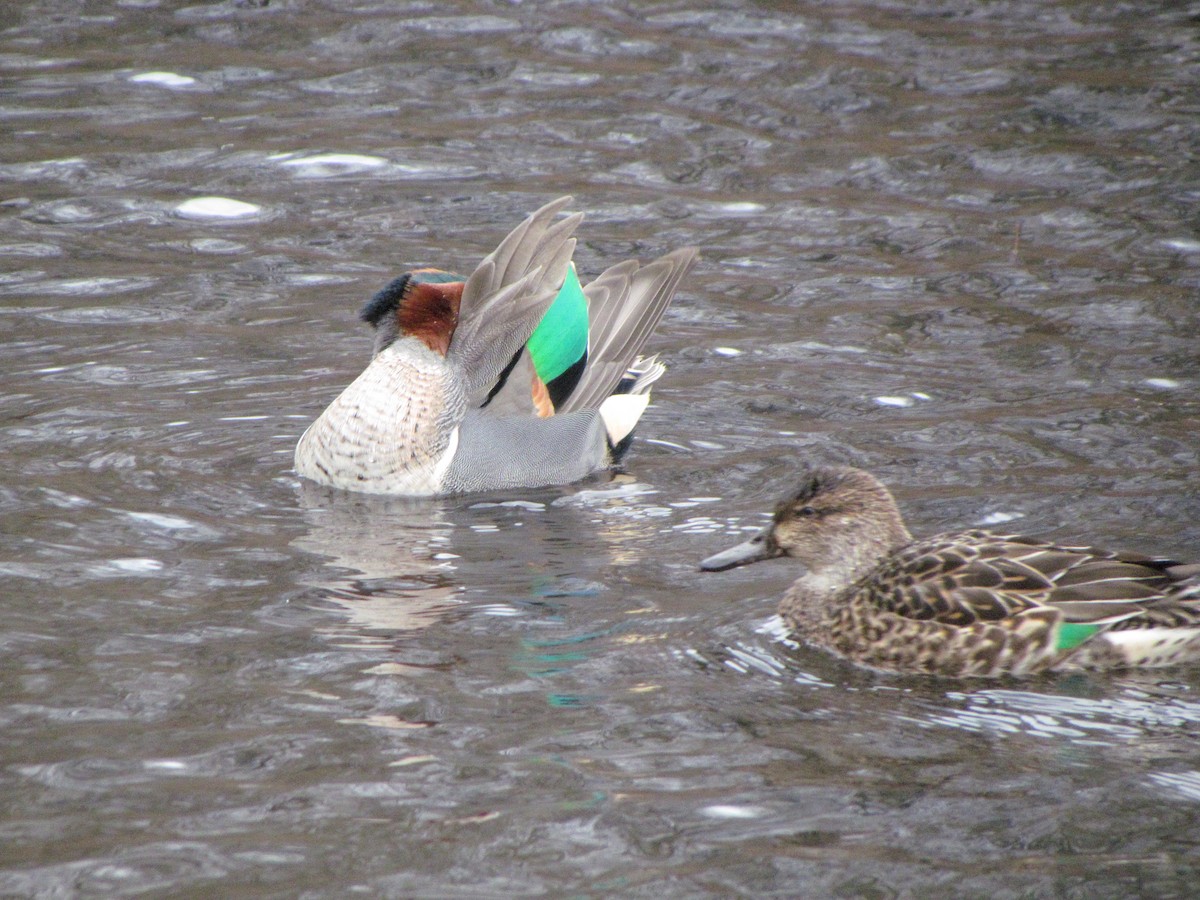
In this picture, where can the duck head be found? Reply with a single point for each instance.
(837, 523)
(423, 303)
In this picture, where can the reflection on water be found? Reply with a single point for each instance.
(955, 245)
(389, 563)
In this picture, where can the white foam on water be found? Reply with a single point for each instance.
(216, 208)
(163, 79)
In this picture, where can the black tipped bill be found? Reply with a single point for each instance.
(757, 548)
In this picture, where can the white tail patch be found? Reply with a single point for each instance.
(620, 413)
(1156, 646)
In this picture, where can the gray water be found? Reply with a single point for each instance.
(956, 243)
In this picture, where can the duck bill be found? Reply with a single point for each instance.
(757, 548)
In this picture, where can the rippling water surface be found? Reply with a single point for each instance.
(953, 242)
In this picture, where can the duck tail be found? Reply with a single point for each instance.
(638, 378)
(1153, 647)
(620, 414)
(623, 409)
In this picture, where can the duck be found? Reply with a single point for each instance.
(516, 376)
(965, 604)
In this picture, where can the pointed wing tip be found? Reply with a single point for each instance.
(683, 257)
(554, 207)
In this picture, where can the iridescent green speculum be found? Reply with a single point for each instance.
(561, 338)
(1072, 634)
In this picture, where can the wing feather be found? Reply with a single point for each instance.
(625, 304)
(508, 293)
(971, 577)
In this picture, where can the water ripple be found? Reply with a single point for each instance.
(955, 245)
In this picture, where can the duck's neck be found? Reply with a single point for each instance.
(820, 591)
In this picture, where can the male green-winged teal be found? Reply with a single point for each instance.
(514, 377)
(970, 603)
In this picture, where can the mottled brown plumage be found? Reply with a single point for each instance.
(968, 603)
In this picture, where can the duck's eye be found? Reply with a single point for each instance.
(806, 512)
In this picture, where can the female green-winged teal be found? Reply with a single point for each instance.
(514, 377)
(970, 603)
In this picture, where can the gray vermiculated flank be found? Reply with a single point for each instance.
(496, 453)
